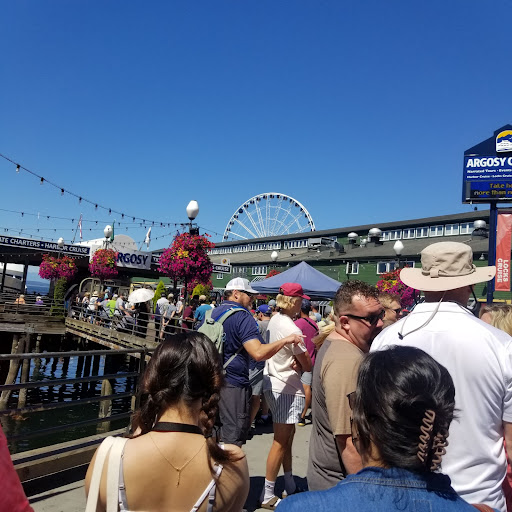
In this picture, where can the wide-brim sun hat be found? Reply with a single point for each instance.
(446, 266)
(241, 284)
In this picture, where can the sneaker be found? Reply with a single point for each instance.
(302, 422)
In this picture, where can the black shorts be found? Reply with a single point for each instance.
(234, 413)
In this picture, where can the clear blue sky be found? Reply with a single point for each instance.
(359, 110)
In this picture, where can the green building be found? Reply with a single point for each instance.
(357, 252)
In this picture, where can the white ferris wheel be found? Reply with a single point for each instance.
(268, 214)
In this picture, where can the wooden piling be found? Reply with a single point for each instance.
(18, 344)
(25, 370)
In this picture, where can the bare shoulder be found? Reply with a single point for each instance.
(233, 487)
(237, 452)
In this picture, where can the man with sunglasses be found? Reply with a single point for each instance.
(391, 303)
(358, 319)
(242, 341)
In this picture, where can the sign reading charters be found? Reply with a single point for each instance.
(488, 170)
(43, 245)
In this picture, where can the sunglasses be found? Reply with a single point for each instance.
(371, 319)
(397, 310)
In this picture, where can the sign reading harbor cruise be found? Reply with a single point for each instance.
(489, 178)
(43, 245)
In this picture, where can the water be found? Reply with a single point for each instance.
(37, 287)
(62, 368)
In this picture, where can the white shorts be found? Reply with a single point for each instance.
(285, 408)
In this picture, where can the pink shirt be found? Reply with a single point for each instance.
(310, 330)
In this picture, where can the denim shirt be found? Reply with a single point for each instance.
(379, 489)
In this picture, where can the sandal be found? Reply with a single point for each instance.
(271, 504)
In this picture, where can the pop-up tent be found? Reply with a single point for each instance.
(315, 284)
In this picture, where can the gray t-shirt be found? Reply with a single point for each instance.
(334, 377)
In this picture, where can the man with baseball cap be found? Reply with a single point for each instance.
(242, 340)
(478, 358)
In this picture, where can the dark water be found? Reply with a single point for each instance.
(67, 368)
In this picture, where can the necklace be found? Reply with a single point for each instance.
(180, 469)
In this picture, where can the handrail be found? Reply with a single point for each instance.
(64, 382)
(131, 391)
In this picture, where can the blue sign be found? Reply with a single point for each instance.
(487, 178)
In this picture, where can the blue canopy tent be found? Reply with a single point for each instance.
(315, 284)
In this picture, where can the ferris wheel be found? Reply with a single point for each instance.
(268, 214)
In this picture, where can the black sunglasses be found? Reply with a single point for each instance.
(351, 397)
(397, 310)
(371, 319)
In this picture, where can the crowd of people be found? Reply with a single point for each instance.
(386, 391)
(408, 412)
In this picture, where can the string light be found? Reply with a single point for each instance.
(62, 190)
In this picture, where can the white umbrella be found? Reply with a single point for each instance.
(141, 295)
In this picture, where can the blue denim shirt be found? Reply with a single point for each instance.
(379, 489)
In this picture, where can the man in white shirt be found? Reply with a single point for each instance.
(478, 358)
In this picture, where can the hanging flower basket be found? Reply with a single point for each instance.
(188, 259)
(53, 267)
(104, 264)
(391, 283)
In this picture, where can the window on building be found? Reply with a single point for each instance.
(352, 267)
(408, 233)
(220, 276)
(407, 264)
(451, 229)
(260, 270)
(395, 234)
(383, 267)
(239, 270)
(436, 231)
(386, 235)
(421, 232)
(466, 228)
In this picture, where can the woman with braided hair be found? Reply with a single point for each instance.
(401, 412)
(172, 462)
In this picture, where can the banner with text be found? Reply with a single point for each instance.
(503, 240)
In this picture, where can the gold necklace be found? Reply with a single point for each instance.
(179, 470)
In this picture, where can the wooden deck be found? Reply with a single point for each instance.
(110, 338)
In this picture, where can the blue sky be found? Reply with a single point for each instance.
(359, 110)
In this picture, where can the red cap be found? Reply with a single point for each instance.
(292, 290)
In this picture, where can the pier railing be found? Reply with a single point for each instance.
(92, 366)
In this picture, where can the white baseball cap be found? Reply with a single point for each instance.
(242, 284)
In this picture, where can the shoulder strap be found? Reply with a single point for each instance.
(309, 321)
(483, 508)
(114, 464)
(94, 489)
(226, 314)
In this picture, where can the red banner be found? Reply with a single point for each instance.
(503, 239)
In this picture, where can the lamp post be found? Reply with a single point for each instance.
(108, 231)
(398, 248)
(60, 243)
(273, 256)
(192, 212)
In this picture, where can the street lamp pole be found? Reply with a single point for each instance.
(398, 248)
(274, 257)
(60, 243)
(192, 212)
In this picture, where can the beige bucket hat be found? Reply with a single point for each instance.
(446, 266)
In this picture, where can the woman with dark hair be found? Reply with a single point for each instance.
(402, 410)
(172, 462)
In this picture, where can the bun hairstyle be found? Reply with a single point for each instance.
(403, 405)
(185, 369)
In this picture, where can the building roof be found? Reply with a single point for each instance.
(364, 228)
